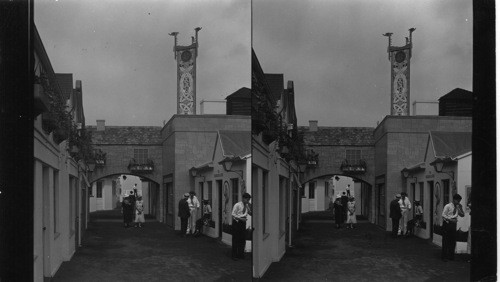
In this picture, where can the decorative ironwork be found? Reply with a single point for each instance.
(146, 167)
(358, 167)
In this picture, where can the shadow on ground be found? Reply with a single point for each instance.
(155, 252)
(366, 253)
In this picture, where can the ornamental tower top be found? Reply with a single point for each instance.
(400, 75)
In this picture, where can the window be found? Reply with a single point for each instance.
(446, 191)
(234, 185)
(302, 191)
(312, 189)
(353, 156)
(141, 155)
(56, 200)
(99, 189)
(264, 201)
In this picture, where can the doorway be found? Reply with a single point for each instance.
(47, 180)
(219, 193)
(430, 209)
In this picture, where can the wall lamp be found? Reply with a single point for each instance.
(438, 165)
(227, 164)
(407, 174)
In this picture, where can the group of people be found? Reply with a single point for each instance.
(133, 210)
(398, 212)
(400, 207)
(188, 212)
(344, 210)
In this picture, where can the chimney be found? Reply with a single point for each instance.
(100, 125)
(313, 125)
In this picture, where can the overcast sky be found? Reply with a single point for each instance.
(336, 55)
(123, 54)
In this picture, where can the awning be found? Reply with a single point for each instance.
(414, 168)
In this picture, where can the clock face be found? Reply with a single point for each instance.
(400, 56)
(186, 56)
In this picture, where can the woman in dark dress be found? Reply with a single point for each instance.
(338, 211)
(127, 211)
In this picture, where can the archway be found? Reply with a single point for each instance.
(319, 192)
(108, 191)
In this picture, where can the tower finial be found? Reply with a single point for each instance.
(388, 34)
(411, 31)
(174, 34)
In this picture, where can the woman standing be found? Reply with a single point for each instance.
(139, 212)
(338, 211)
(351, 213)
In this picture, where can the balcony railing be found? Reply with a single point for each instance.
(357, 167)
(146, 167)
(100, 158)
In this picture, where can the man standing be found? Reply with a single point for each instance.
(344, 201)
(348, 190)
(395, 215)
(241, 210)
(194, 206)
(450, 215)
(184, 213)
(405, 205)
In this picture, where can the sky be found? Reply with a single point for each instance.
(122, 53)
(336, 55)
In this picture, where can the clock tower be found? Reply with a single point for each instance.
(400, 75)
(186, 74)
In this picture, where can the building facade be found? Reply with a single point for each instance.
(60, 176)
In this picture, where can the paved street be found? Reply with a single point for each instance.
(367, 253)
(152, 253)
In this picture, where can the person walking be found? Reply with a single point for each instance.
(395, 214)
(127, 211)
(194, 206)
(338, 211)
(450, 215)
(351, 213)
(405, 206)
(139, 212)
(184, 214)
(241, 211)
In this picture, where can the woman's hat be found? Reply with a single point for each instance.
(186, 195)
(339, 196)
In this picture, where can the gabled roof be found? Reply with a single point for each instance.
(133, 135)
(275, 81)
(457, 94)
(235, 144)
(65, 81)
(450, 144)
(243, 92)
(339, 136)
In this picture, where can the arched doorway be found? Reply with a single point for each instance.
(107, 193)
(318, 193)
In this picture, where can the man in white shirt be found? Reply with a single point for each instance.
(450, 215)
(194, 206)
(405, 205)
(241, 211)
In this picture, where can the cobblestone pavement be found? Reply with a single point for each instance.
(153, 253)
(366, 253)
